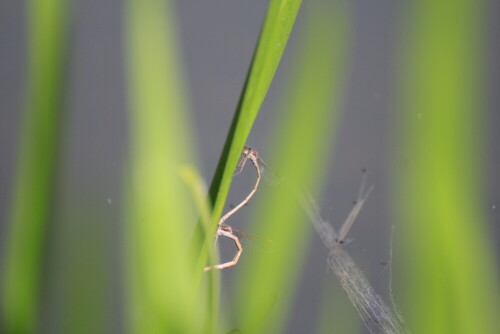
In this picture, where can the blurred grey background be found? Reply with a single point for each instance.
(218, 38)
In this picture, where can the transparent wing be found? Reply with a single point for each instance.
(271, 176)
(243, 235)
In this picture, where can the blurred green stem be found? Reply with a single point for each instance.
(450, 280)
(160, 210)
(34, 192)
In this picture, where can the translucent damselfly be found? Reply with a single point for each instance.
(224, 230)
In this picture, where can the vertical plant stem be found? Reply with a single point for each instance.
(449, 283)
(160, 211)
(34, 192)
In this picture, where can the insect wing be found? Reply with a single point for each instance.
(271, 176)
(245, 235)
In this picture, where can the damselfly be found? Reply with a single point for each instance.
(236, 236)
(227, 231)
(252, 154)
(261, 168)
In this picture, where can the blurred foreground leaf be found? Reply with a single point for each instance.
(450, 283)
(160, 212)
(33, 199)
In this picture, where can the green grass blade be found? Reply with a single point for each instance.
(35, 180)
(278, 24)
(301, 150)
(450, 283)
(197, 186)
(273, 40)
(160, 212)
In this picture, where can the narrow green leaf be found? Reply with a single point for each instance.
(37, 165)
(279, 21)
(160, 213)
(302, 148)
(450, 284)
(197, 186)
